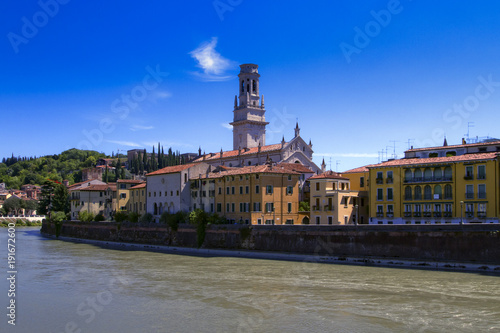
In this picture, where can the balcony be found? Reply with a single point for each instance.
(417, 214)
(428, 179)
(407, 214)
(437, 214)
(391, 214)
(481, 195)
(469, 195)
(328, 208)
(481, 215)
(427, 214)
(481, 177)
(379, 180)
(380, 214)
(469, 214)
(468, 177)
(447, 214)
(389, 180)
(316, 208)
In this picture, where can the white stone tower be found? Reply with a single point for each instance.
(249, 121)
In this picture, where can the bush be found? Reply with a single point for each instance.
(121, 216)
(58, 217)
(146, 218)
(199, 218)
(85, 216)
(20, 222)
(133, 217)
(173, 220)
(99, 218)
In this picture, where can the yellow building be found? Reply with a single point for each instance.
(332, 201)
(137, 199)
(359, 179)
(123, 193)
(262, 194)
(449, 184)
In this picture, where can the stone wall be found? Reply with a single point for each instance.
(467, 243)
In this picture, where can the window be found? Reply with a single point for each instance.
(269, 207)
(427, 192)
(481, 172)
(289, 190)
(390, 195)
(390, 210)
(256, 176)
(407, 193)
(380, 210)
(427, 174)
(123, 195)
(228, 205)
(407, 209)
(177, 193)
(448, 192)
(418, 175)
(123, 186)
(100, 194)
(185, 178)
(317, 186)
(448, 208)
(362, 182)
(408, 175)
(379, 179)
(481, 210)
(259, 221)
(469, 172)
(438, 174)
(219, 207)
(330, 220)
(389, 174)
(418, 193)
(247, 189)
(241, 189)
(469, 191)
(289, 177)
(100, 203)
(227, 190)
(233, 207)
(256, 206)
(380, 194)
(232, 189)
(269, 189)
(481, 191)
(318, 220)
(257, 189)
(418, 208)
(289, 207)
(380, 174)
(438, 192)
(220, 190)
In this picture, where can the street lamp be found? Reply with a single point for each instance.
(356, 217)
(461, 212)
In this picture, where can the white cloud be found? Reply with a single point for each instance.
(211, 62)
(140, 128)
(226, 125)
(360, 155)
(124, 143)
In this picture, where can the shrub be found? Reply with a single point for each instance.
(121, 216)
(85, 216)
(99, 218)
(146, 218)
(200, 219)
(133, 217)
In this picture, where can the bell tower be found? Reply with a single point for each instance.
(249, 122)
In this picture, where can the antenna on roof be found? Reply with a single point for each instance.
(469, 125)
(410, 142)
(330, 163)
(337, 162)
(394, 146)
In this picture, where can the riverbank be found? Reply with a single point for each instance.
(262, 255)
(450, 248)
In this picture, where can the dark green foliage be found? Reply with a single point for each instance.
(99, 218)
(173, 220)
(133, 217)
(13, 205)
(85, 216)
(199, 218)
(304, 206)
(121, 216)
(245, 233)
(54, 197)
(146, 218)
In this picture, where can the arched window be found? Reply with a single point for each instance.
(418, 175)
(155, 209)
(438, 192)
(254, 86)
(248, 85)
(448, 173)
(438, 174)
(418, 193)
(242, 86)
(448, 194)
(408, 175)
(428, 174)
(408, 193)
(427, 192)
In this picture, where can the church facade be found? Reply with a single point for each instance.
(249, 132)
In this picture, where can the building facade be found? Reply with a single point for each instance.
(123, 192)
(137, 199)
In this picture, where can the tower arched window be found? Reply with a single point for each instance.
(408, 193)
(242, 86)
(408, 175)
(254, 86)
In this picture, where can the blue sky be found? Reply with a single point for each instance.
(356, 75)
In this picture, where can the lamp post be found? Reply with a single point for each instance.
(461, 212)
(356, 217)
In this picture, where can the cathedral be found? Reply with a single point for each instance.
(249, 132)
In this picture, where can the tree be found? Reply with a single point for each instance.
(304, 206)
(13, 205)
(54, 197)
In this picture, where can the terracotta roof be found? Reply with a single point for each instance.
(234, 153)
(359, 169)
(143, 185)
(276, 169)
(129, 181)
(296, 167)
(457, 146)
(171, 169)
(100, 187)
(328, 175)
(433, 160)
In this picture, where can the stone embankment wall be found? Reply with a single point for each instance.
(467, 243)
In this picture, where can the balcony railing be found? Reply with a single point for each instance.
(328, 208)
(469, 214)
(481, 195)
(481, 176)
(437, 214)
(447, 214)
(391, 214)
(316, 208)
(427, 179)
(448, 197)
(408, 197)
(380, 214)
(407, 214)
(389, 180)
(468, 177)
(417, 214)
(481, 215)
(427, 214)
(469, 195)
(379, 180)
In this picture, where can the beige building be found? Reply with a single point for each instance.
(331, 199)
(137, 199)
(93, 196)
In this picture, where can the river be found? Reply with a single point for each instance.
(64, 286)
